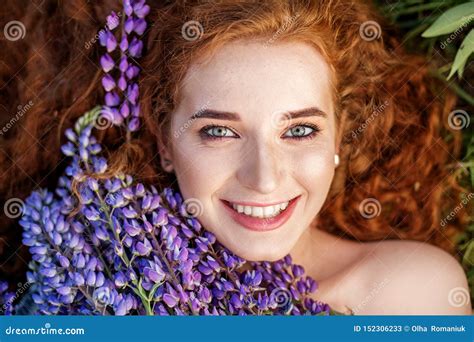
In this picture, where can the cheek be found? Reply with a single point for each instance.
(200, 171)
(313, 169)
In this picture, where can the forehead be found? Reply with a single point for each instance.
(248, 76)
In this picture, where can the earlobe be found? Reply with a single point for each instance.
(166, 164)
(165, 156)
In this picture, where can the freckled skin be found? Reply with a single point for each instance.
(255, 163)
(258, 82)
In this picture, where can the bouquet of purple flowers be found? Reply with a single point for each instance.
(112, 247)
(105, 245)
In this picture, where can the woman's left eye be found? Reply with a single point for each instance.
(216, 132)
(305, 131)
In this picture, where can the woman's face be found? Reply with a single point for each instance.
(262, 134)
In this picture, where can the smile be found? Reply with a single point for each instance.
(262, 212)
(259, 217)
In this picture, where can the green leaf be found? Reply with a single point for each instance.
(468, 257)
(451, 20)
(466, 49)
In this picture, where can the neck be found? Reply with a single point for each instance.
(315, 252)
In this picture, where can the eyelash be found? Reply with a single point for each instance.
(316, 130)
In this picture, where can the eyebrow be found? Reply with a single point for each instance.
(231, 116)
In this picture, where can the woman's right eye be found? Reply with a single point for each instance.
(217, 132)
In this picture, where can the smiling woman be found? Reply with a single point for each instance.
(264, 140)
(297, 127)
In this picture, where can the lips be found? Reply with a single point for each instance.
(261, 223)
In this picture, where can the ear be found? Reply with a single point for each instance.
(164, 150)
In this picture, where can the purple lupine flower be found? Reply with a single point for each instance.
(173, 262)
(129, 249)
(130, 47)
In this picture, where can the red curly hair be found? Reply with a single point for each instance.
(396, 146)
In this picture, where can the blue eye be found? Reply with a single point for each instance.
(217, 132)
(302, 131)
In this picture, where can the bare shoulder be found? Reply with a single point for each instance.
(409, 278)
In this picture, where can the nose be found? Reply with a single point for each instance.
(260, 168)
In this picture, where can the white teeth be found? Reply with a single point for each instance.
(262, 212)
(247, 210)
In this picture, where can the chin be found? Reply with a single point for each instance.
(263, 253)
